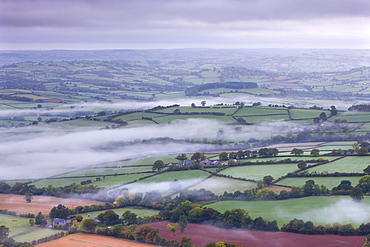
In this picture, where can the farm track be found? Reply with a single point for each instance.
(23, 233)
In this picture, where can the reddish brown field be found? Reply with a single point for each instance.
(87, 240)
(276, 189)
(201, 235)
(38, 204)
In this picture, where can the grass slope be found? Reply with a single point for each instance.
(319, 210)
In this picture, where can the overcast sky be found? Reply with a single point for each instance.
(122, 24)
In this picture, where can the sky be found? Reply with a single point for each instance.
(163, 24)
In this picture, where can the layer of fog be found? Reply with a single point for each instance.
(40, 153)
(162, 187)
(81, 108)
(344, 211)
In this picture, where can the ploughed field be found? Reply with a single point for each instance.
(43, 204)
(203, 234)
(88, 240)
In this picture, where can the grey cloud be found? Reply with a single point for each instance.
(136, 14)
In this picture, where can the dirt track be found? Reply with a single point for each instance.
(38, 204)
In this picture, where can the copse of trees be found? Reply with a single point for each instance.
(360, 107)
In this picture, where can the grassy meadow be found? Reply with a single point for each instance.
(319, 210)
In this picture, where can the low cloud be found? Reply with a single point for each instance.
(343, 211)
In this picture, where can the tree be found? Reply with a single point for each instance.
(146, 234)
(4, 232)
(203, 103)
(223, 156)
(240, 154)
(182, 157)
(364, 183)
(28, 197)
(89, 225)
(185, 242)
(367, 170)
(356, 194)
(310, 188)
(333, 110)
(315, 152)
(38, 219)
(356, 146)
(172, 228)
(241, 120)
(302, 165)
(363, 151)
(344, 185)
(109, 217)
(117, 230)
(177, 111)
(129, 218)
(323, 116)
(267, 180)
(195, 215)
(158, 165)
(232, 155)
(61, 212)
(247, 153)
(183, 222)
(296, 151)
(198, 156)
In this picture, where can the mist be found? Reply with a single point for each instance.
(89, 107)
(343, 211)
(161, 187)
(42, 152)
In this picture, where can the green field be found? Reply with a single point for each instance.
(171, 118)
(219, 185)
(329, 182)
(347, 164)
(319, 210)
(162, 181)
(19, 225)
(136, 116)
(108, 182)
(179, 175)
(228, 110)
(260, 111)
(257, 172)
(266, 118)
(306, 113)
(37, 234)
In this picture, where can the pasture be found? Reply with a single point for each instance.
(257, 172)
(347, 164)
(162, 181)
(219, 185)
(107, 182)
(260, 111)
(22, 231)
(319, 210)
